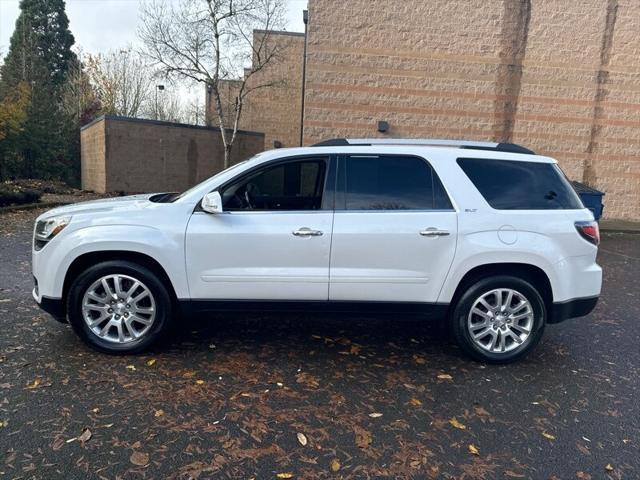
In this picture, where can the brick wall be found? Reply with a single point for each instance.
(559, 77)
(92, 154)
(133, 155)
(274, 108)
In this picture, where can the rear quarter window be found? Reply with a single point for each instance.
(516, 185)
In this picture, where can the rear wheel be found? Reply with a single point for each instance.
(119, 307)
(499, 319)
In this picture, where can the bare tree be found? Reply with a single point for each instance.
(166, 106)
(194, 112)
(122, 81)
(210, 41)
(79, 98)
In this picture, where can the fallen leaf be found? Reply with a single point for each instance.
(85, 435)
(455, 423)
(415, 402)
(354, 350)
(548, 435)
(308, 380)
(363, 438)
(139, 458)
(151, 362)
(375, 415)
(481, 411)
(512, 474)
(158, 413)
(33, 385)
(335, 465)
(3, 423)
(131, 367)
(445, 376)
(199, 382)
(284, 475)
(582, 448)
(473, 449)
(609, 467)
(301, 438)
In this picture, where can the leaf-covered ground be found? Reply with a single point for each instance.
(307, 396)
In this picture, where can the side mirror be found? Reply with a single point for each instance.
(212, 203)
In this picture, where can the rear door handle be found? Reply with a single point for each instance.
(306, 232)
(434, 232)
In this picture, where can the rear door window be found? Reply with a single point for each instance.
(516, 185)
(392, 182)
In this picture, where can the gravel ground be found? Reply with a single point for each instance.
(270, 396)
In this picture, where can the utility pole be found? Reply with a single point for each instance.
(305, 19)
(158, 87)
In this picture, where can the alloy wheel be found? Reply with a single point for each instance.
(500, 320)
(118, 308)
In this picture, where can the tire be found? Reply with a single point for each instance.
(471, 318)
(139, 324)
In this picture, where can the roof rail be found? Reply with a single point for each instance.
(468, 144)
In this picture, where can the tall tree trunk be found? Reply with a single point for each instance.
(227, 155)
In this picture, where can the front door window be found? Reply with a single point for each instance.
(293, 186)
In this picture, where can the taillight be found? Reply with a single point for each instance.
(589, 231)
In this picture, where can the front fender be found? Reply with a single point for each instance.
(52, 262)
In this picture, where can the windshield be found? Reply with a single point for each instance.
(175, 196)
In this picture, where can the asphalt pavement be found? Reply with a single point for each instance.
(315, 396)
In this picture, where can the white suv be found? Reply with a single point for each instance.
(490, 236)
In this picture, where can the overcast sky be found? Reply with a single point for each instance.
(100, 25)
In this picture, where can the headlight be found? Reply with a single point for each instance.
(48, 228)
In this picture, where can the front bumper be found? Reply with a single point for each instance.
(577, 307)
(53, 306)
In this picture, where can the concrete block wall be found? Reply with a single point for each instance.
(134, 155)
(275, 106)
(92, 157)
(560, 77)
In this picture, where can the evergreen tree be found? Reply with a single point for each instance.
(40, 55)
(40, 47)
(13, 115)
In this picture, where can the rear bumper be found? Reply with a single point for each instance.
(577, 307)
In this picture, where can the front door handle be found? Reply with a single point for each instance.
(307, 232)
(434, 232)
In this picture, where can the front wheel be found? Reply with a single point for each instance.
(499, 319)
(119, 307)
